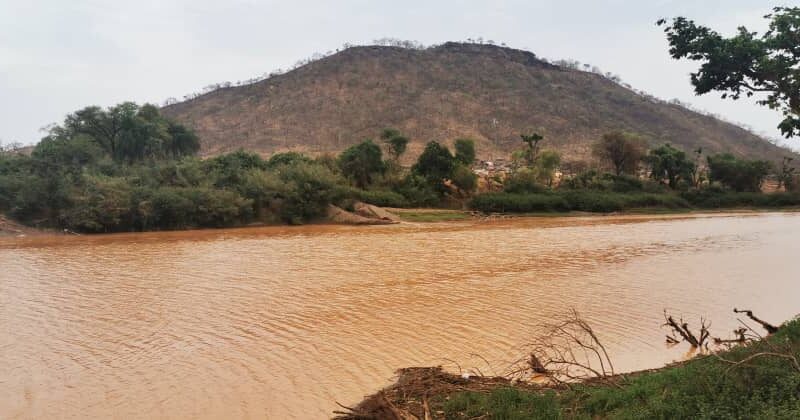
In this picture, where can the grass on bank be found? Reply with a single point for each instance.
(607, 202)
(430, 215)
(764, 386)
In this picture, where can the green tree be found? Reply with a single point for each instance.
(287, 158)
(181, 141)
(308, 192)
(671, 165)
(465, 151)
(623, 151)
(101, 204)
(524, 181)
(228, 170)
(786, 175)
(546, 166)
(435, 164)
(105, 127)
(64, 152)
(746, 63)
(532, 140)
(464, 179)
(698, 175)
(396, 141)
(262, 187)
(362, 162)
(130, 133)
(738, 174)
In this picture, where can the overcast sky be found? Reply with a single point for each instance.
(57, 56)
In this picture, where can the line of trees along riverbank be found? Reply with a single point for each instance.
(629, 176)
(127, 168)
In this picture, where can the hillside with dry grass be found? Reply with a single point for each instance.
(484, 92)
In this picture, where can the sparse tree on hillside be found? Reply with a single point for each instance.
(746, 63)
(623, 151)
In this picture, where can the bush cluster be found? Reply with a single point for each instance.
(587, 201)
(717, 198)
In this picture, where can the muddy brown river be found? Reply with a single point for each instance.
(284, 322)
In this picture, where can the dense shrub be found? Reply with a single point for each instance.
(593, 180)
(716, 197)
(262, 187)
(518, 203)
(609, 202)
(592, 201)
(362, 163)
(309, 190)
(625, 183)
(383, 198)
(102, 204)
(287, 158)
(738, 174)
(523, 181)
(588, 201)
(464, 179)
(465, 151)
(435, 164)
(418, 191)
(178, 208)
(227, 170)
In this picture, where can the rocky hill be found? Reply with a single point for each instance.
(484, 92)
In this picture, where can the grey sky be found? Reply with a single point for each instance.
(57, 56)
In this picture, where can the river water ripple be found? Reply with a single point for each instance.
(283, 322)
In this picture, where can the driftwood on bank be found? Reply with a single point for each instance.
(779, 350)
(739, 334)
(771, 329)
(410, 397)
(681, 328)
(567, 351)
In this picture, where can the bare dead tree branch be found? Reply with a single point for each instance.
(739, 333)
(771, 329)
(489, 365)
(566, 351)
(734, 364)
(682, 329)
